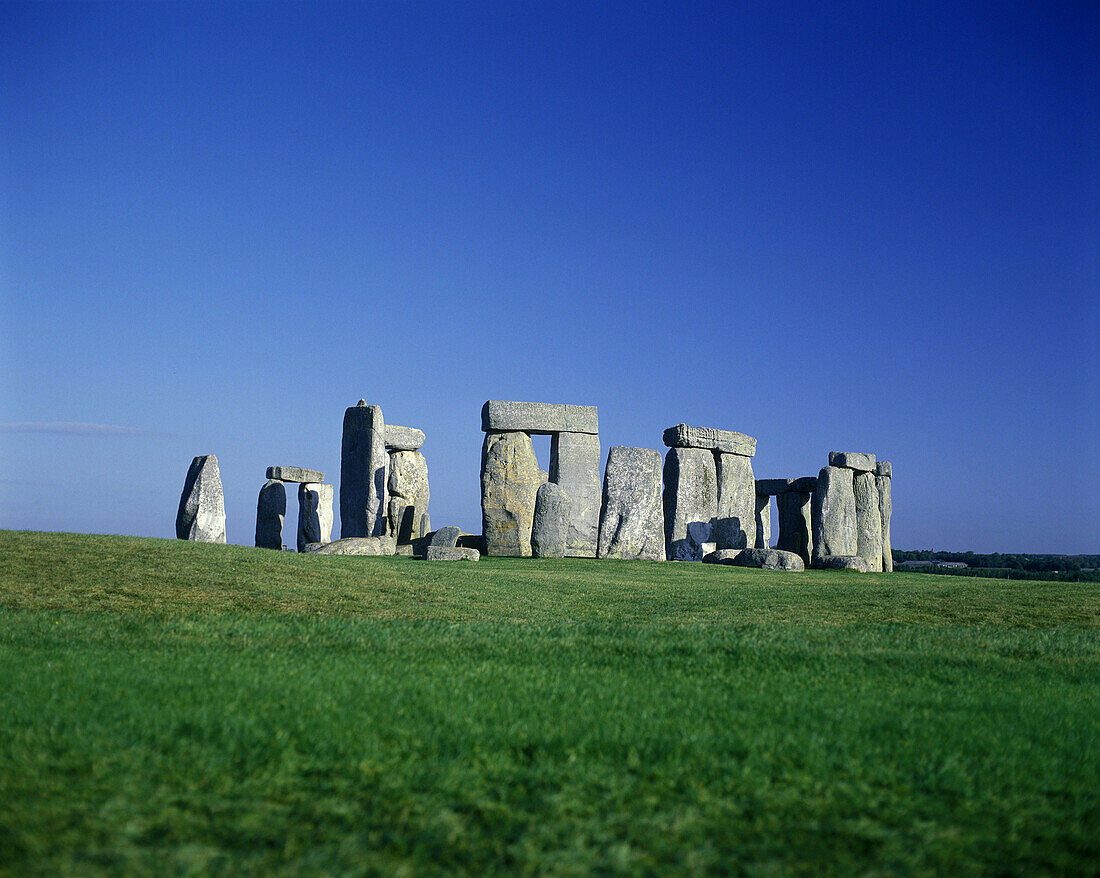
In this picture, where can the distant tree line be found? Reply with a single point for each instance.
(1057, 568)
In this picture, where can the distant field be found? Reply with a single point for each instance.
(174, 708)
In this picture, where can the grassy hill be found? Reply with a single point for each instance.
(168, 707)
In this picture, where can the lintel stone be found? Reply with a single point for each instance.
(857, 460)
(403, 438)
(729, 441)
(294, 474)
(884, 469)
(539, 418)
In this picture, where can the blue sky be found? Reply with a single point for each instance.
(831, 226)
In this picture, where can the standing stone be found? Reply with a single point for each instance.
(794, 524)
(575, 466)
(886, 509)
(763, 521)
(550, 531)
(314, 514)
(868, 521)
(201, 514)
(691, 503)
(510, 479)
(270, 511)
(408, 492)
(363, 461)
(631, 515)
(735, 522)
(833, 514)
(425, 524)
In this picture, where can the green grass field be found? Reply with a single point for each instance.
(174, 708)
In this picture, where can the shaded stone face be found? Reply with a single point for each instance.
(886, 509)
(314, 514)
(551, 524)
(735, 518)
(726, 441)
(833, 513)
(857, 460)
(691, 502)
(575, 466)
(510, 479)
(540, 418)
(403, 438)
(270, 512)
(631, 514)
(201, 514)
(363, 462)
(763, 522)
(408, 492)
(294, 474)
(794, 524)
(868, 522)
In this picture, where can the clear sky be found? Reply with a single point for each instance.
(869, 227)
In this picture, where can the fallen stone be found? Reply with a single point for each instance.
(883, 468)
(406, 550)
(772, 487)
(691, 503)
(445, 536)
(383, 545)
(538, 417)
(270, 512)
(403, 438)
(840, 562)
(447, 553)
(551, 523)
(868, 521)
(833, 513)
(631, 514)
(294, 474)
(769, 559)
(201, 513)
(575, 466)
(735, 517)
(409, 494)
(794, 524)
(856, 460)
(721, 556)
(886, 509)
(728, 441)
(763, 522)
(314, 514)
(363, 462)
(510, 479)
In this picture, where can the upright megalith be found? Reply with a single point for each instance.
(735, 521)
(763, 522)
(575, 466)
(883, 477)
(550, 531)
(510, 479)
(833, 513)
(408, 493)
(363, 461)
(868, 521)
(201, 514)
(314, 514)
(270, 512)
(793, 508)
(631, 514)
(690, 502)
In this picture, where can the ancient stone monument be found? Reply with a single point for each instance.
(510, 475)
(550, 530)
(883, 475)
(201, 514)
(793, 502)
(709, 491)
(632, 511)
(314, 507)
(314, 514)
(851, 513)
(270, 512)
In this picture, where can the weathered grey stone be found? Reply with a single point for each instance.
(833, 513)
(446, 536)
(425, 524)
(691, 503)
(728, 441)
(631, 515)
(201, 513)
(768, 559)
(363, 462)
(840, 562)
(450, 553)
(735, 518)
(575, 466)
(383, 545)
(721, 556)
(804, 485)
(510, 479)
(294, 474)
(542, 418)
(763, 522)
(772, 487)
(406, 550)
(408, 492)
(403, 438)
(886, 509)
(868, 521)
(270, 512)
(794, 524)
(856, 460)
(549, 533)
(314, 514)
(883, 468)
